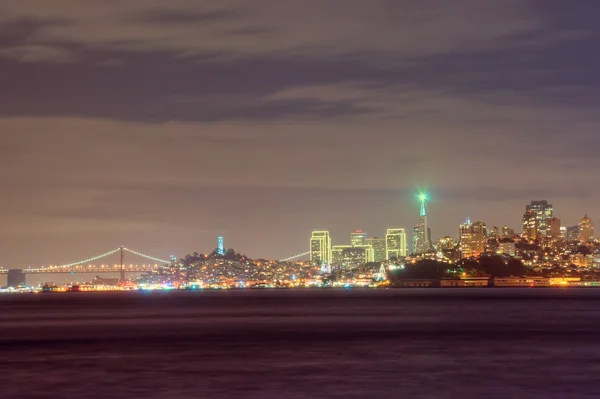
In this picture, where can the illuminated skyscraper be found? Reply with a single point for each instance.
(421, 233)
(507, 246)
(379, 248)
(445, 243)
(320, 247)
(507, 232)
(586, 229)
(358, 237)
(395, 243)
(554, 227)
(220, 248)
(530, 225)
(543, 212)
(572, 233)
(473, 237)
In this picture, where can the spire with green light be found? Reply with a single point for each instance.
(423, 198)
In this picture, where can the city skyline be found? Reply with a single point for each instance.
(337, 240)
(165, 125)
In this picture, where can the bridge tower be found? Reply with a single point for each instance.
(122, 264)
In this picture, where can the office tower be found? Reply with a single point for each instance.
(358, 238)
(586, 229)
(543, 213)
(507, 246)
(507, 232)
(220, 248)
(421, 232)
(445, 243)
(563, 231)
(379, 248)
(395, 243)
(351, 257)
(572, 233)
(530, 225)
(553, 227)
(495, 233)
(320, 247)
(473, 237)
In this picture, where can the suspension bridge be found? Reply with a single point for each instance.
(90, 265)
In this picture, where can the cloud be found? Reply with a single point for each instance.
(313, 28)
(37, 53)
(263, 120)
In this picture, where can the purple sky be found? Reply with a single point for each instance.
(161, 125)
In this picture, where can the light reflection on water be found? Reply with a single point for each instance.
(303, 344)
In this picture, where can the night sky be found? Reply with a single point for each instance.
(163, 124)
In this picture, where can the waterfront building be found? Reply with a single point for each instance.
(395, 243)
(320, 247)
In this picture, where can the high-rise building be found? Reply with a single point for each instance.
(530, 225)
(586, 229)
(445, 243)
(351, 257)
(543, 213)
(494, 233)
(421, 232)
(473, 237)
(358, 237)
(572, 233)
(553, 227)
(379, 248)
(507, 232)
(507, 246)
(320, 247)
(395, 243)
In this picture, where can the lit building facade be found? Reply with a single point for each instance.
(543, 212)
(530, 225)
(586, 229)
(507, 246)
(395, 243)
(507, 232)
(445, 243)
(351, 257)
(358, 237)
(379, 248)
(320, 247)
(572, 233)
(473, 237)
(553, 227)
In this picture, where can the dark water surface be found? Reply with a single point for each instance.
(430, 343)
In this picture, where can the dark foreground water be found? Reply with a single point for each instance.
(431, 343)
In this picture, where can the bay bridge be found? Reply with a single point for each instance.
(90, 265)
